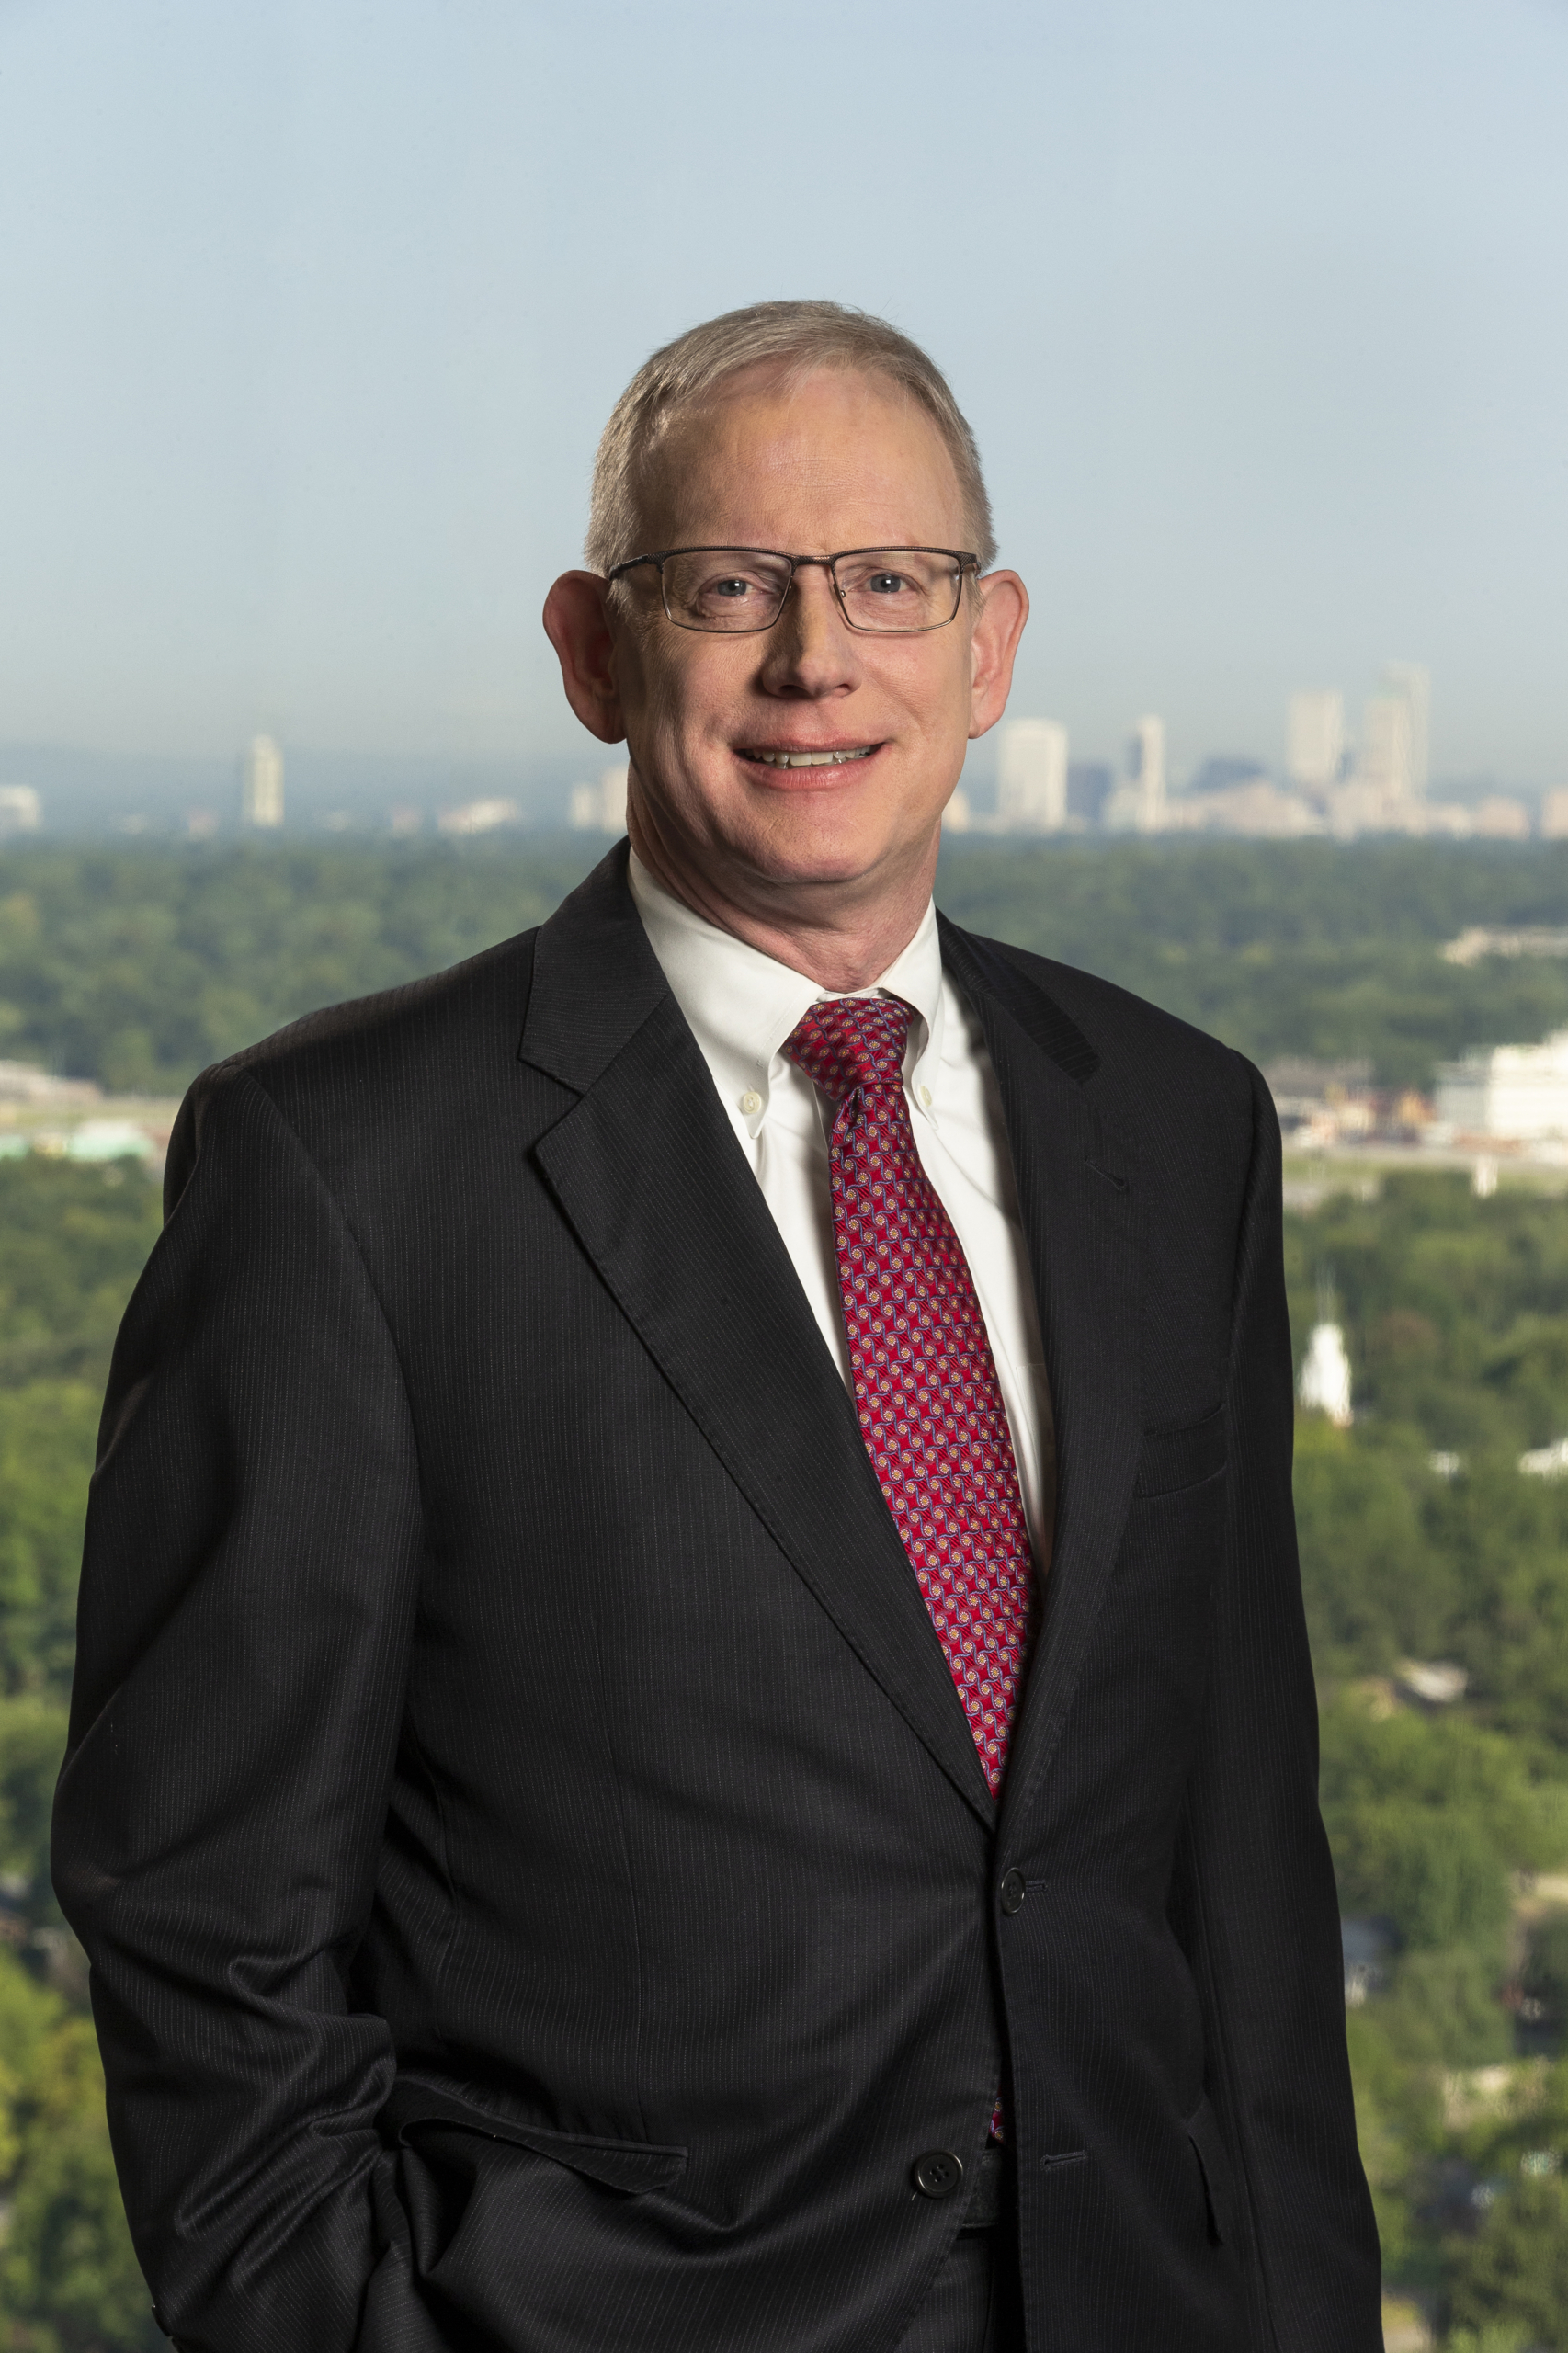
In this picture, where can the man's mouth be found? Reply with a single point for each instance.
(785, 759)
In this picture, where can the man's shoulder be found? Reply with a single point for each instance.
(354, 1068)
(466, 1008)
(1126, 1048)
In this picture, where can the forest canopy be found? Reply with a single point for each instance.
(139, 965)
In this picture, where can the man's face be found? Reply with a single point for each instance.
(835, 462)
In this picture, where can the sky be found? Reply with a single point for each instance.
(311, 312)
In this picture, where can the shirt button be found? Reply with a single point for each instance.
(751, 1103)
(925, 1097)
(1013, 1892)
(938, 2173)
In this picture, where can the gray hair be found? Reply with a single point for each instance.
(803, 336)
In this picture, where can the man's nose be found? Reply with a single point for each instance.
(811, 648)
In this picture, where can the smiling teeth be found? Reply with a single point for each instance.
(811, 759)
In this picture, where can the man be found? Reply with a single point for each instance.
(693, 1727)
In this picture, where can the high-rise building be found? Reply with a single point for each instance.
(1387, 759)
(1146, 765)
(599, 808)
(1138, 806)
(1413, 682)
(261, 788)
(1031, 777)
(1315, 738)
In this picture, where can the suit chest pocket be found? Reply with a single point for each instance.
(1171, 1459)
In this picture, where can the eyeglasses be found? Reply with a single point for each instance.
(892, 592)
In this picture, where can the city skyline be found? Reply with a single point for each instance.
(1247, 314)
(1331, 775)
(1332, 772)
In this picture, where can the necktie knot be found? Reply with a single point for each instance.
(848, 1041)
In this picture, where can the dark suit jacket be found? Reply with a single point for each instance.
(541, 1892)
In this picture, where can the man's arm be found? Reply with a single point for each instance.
(1256, 1874)
(254, 1539)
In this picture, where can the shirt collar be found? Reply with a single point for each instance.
(742, 1006)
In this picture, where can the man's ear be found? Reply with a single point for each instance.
(1004, 610)
(577, 624)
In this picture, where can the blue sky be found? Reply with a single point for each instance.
(311, 309)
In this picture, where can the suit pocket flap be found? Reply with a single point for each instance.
(619, 2164)
(1173, 1458)
(1203, 2132)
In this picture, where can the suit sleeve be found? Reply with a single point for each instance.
(1258, 1874)
(253, 1548)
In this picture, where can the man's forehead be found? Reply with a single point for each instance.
(833, 442)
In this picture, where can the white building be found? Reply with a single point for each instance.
(1413, 683)
(19, 810)
(21, 1083)
(1256, 808)
(1325, 1385)
(1518, 1091)
(478, 816)
(1500, 818)
(1315, 738)
(1387, 760)
(1139, 805)
(261, 785)
(1031, 777)
(600, 808)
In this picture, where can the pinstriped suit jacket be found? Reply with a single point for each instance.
(541, 1893)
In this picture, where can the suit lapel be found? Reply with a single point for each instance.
(648, 1172)
(1078, 1208)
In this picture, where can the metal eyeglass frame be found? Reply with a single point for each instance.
(966, 565)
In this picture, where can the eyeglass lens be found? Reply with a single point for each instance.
(895, 589)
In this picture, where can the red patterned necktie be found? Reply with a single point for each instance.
(925, 1381)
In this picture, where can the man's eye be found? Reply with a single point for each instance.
(888, 584)
(727, 588)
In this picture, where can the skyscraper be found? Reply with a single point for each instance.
(1413, 684)
(1138, 806)
(612, 787)
(1553, 817)
(1387, 762)
(599, 808)
(1315, 738)
(1146, 763)
(261, 791)
(1031, 789)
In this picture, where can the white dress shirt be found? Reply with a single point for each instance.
(742, 1006)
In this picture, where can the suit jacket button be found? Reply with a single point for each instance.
(1013, 1892)
(938, 2173)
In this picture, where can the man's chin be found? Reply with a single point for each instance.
(823, 854)
(774, 842)
(826, 837)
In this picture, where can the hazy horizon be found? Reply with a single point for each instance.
(315, 314)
